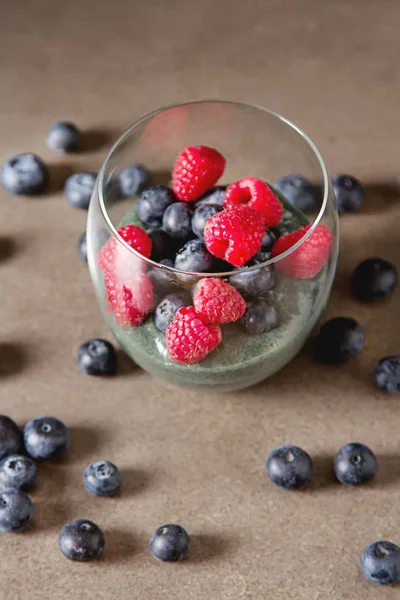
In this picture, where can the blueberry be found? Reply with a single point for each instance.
(299, 191)
(163, 245)
(349, 193)
(153, 203)
(11, 438)
(355, 464)
(46, 438)
(24, 174)
(165, 311)
(82, 247)
(81, 540)
(177, 220)
(387, 374)
(373, 279)
(201, 216)
(16, 510)
(254, 282)
(380, 563)
(102, 478)
(260, 317)
(268, 241)
(63, 137)
(159, 277)
(134, 179)
(214, 196)
(289, 467)
(339, 340)
(169, 543)
(97, 357)
(194, 257)
(79, 189)
(17, 472)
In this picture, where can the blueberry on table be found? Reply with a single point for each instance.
(254, 282)
(97, 357)
(339, 340)
(380, 563)
(169, 543)
(289, 467)
(373, 279)
(17, 472)
(387, 374)
(166, 309)
(46, 438)
(177, 220)
(355, 464)
(201, 216)
(82, 247)
(260, 317)
(299, 191)
(81, 540)
(16, 510)
(194, 257)
(152, 204)
(134, 179)
(79, 189)
(349, 193)
(214, 196)
(102, 478)
(11, 438)
(24, 175)
(63, 137)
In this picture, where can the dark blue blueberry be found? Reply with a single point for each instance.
(63, 137)
(165, 311)
(289, 467)
(201, 216)
(299, 191)
(81, 540)
(97, 357)
(11, 438)
(373, 279)
(194, 257)
(153, 203)
(16, 510)
(260, 317)
(214, 196)
(355, 464)
(17, 472)
(102, 478)
(258, 259)
(159, 277)
(79, 189)
(268, 241)
(349, 193)
(82, 247)
(46, 438)
(177, 220)
(254, 282)
(24, 175)
(339, 340)
(170, 543)
(163, 245)
(133, 180)
(387, 374)
(380, 563)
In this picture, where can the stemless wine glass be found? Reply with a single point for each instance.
(256, 143)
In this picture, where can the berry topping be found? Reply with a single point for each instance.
(166, 310)
(309, 258)
(256, 194)
(235, 234)
(134, 179)
(189, 340)
(152, 204)
(215, 301)
(162, 244)
(130, 300)
(260, 317)
(299, 191)
(387, 374)
(373, 279)
(215, 196)
(201, 216)
(339, 340)
(254, 282)
(113, 250)
(268, 241)
(194, 257)
(177, 220)
(349, 193)
(196, 170)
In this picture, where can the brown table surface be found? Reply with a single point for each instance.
(189, 457)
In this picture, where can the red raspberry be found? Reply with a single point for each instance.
(129, 300)
(215, 301)
(189, 340)
(258, 196)
(195, 171)
(114, 256)
(235, 234)
(309, 258)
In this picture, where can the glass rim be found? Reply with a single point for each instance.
(101, 186)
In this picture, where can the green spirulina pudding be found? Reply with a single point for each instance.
(240, 360)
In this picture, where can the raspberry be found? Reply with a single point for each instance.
(235, 234)
(113, 255)
(129, 300)
(309, 258)
(196, 170)
(215, 301)
(258, 196)
(189, 340)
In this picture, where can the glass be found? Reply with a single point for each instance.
(256, 142)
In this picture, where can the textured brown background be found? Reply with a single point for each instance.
(190, 457)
